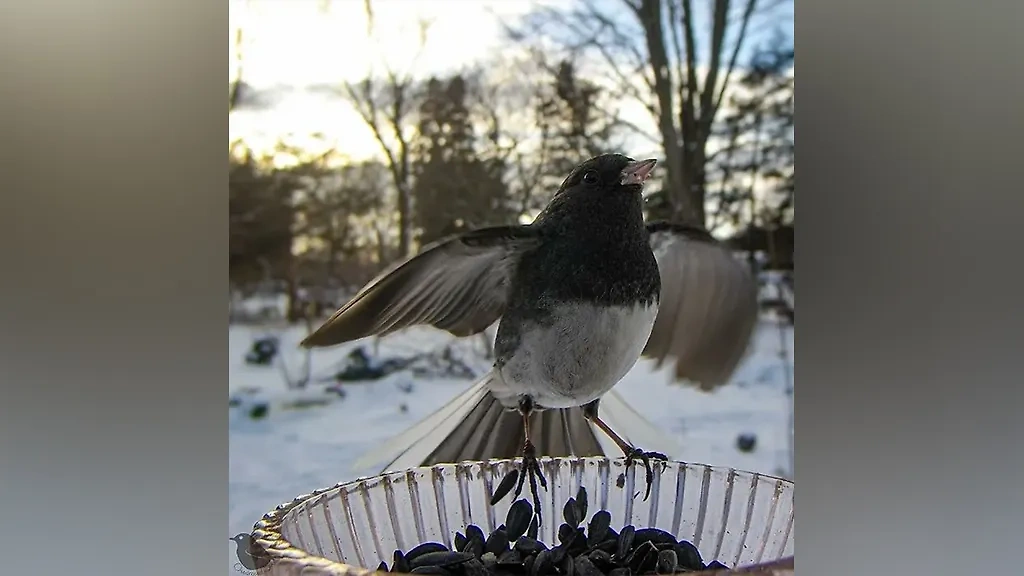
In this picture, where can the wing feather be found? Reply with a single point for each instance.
(459, 284)
(708, 307)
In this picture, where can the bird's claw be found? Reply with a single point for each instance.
(645, 457)
(530, 467)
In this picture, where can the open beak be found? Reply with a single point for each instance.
(637, 172)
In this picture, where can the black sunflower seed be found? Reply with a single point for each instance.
(653, 535)
(540, 562)
(689, 556)
(625, 541)
(667, 562)
(400, 563)
(518, 519)
(475, 540)
(504, 486)
(474, 568)
(608, 546)
(716, 565)
(474, 531)
(659, 538)
(382, 567)
(584, 567)
(581, 503)
(435, 570)
(475, 546)
(645, 558)
(570, 513)
(443, 559)
(497, 543)
(579, 542)
(510, 558)
(566, 534)
(425, 548)
(567, 565)
(598, 527)
(514, 548)
(527, 546)
(600, 558)
(557, 554)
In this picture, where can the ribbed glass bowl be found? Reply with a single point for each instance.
(738, 518)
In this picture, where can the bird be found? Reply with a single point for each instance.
(579, 295)
(250, 553)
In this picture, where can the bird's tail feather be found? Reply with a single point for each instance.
(475, 426)
(411, 442)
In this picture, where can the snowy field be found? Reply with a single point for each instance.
(294, 450)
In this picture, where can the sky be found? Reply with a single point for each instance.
(292, 46)
(297, 54)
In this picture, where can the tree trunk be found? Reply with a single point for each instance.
(404, 220)
(689, 200)
(294, 306)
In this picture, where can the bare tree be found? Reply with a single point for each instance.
(506, 95)
(387, 106)
(540, 115)
(235, 87)
(333, 214)
(754, 172)
(261, 216)
(387, 110)
(663, 72)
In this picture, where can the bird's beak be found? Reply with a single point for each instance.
(637, 172)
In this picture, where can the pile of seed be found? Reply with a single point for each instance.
(594, 550)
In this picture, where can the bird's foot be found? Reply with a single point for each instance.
(645, 457)
(529, 468)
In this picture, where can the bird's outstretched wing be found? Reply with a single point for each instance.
(459, 284)
(708, 307)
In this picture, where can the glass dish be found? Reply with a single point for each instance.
(739, 518)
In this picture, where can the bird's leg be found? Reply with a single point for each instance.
(530, 466)
(631, 452)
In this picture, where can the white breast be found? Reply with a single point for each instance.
(577, 356)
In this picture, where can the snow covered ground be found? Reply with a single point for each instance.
(293, 451)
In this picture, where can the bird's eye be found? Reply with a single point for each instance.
(590, 177)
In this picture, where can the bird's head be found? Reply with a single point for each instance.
(608, 173)
(600, 191)
(242, 539)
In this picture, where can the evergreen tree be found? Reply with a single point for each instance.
(454, 188)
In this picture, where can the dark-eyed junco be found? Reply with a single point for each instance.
(579, 295)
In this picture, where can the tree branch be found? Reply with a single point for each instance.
(719, 18)
(748, 11)
(235, 89)
(688, 89)
(369, 114)
(673, 16)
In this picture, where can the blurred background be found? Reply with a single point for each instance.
(359, 130)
